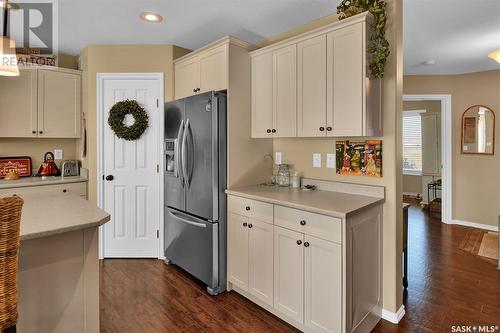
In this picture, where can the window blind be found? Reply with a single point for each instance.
(412, 143)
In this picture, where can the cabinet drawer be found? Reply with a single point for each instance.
(321, 226)
(253, 209)
(79, 189)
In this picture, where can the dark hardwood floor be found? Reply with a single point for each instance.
(447, 286)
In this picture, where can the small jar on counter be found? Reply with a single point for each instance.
(296, 180)
(283, 175)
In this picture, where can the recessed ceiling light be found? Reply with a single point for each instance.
(495, 55)
(151, 17)
(430, 62)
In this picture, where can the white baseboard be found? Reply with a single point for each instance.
(475, 225)
(393, 317)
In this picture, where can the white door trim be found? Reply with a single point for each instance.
(446, 149)
(101, 77)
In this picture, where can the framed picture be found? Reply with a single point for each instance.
(359, 158)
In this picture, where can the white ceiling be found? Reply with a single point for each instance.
(457, 34)
(187, 23)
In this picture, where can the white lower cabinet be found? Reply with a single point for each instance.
(238, 243)
(319, 273)
(260, 260)
(251, 256)
(289, 273)
(322, 285)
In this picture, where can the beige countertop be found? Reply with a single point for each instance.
(40, 181)
(51, 215)
(337, 204)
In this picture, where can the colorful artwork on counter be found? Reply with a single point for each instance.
(359, 158)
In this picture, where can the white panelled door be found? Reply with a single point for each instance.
(131, 184)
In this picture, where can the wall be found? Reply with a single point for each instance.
(413, 184)
(118, 58)
(298, 152)
(36, 148)
(475, 180)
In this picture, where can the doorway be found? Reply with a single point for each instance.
(129, 171)
(429, 116)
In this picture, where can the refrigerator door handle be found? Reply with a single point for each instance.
(192, 157)
(184, 153)
(187, 219)
(178, 152)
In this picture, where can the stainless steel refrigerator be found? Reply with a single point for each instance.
(195, 181)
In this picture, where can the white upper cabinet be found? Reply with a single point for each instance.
(187, 78)
(311, 92)
(59, 104)
(41, 102)
(262, 95)
(203, 70)
(18, 104)
(274, 93)
(321, 85)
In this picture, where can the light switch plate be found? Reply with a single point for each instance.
(277, 157)
(330, 161)
(316, 160)
(58, 154)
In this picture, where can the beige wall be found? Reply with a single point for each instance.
(298, 152)
(119, 58)
(36, 148)
(412, 184)
(476, 184)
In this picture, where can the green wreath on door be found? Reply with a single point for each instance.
(117, 116)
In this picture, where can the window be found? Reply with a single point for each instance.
(412, 143)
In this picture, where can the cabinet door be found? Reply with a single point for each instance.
(262, 95)
(311, 80)
(213, 69)
(59, 107)
(345, 54)
(238, 250)
(285, 91)
(289, 273)
(18, 104)
(260, 260)
(187, 77)
(323, 285)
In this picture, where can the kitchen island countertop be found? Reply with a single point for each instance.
(45, 216)
(336, 204)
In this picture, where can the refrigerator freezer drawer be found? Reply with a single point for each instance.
(192, 244)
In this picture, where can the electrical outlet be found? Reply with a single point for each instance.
(330, 161)
(277, 157)
(58, 154)
(316, 160)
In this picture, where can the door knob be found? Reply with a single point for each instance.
(302, 222)
(244, 224)
(250, 225)
(306, 244)
(329, 128)
(247, 207)
(268, 130)
(299, 242)
(321, 128)
(194, 90)
(274, 131)
(109, 177)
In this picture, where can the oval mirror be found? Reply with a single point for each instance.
(478, 130)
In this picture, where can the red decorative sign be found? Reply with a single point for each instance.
(22, 164)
